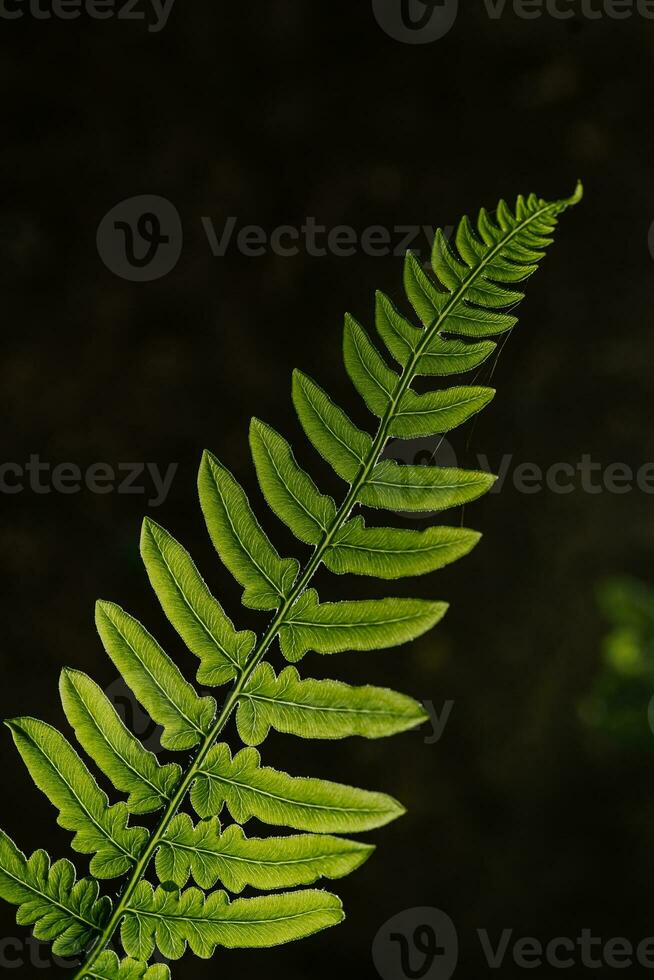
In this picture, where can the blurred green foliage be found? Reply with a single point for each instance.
(620, 704)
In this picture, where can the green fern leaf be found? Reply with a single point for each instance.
(374, 381)
(239, 540)
(320, 709)
(64, 911)
(170, 921)
(120, 755)
(446, 357)
(238, 861)
(83, 807)
(437, 411)
(392, 553)
(392, 486)
(282, 800)
(364, 625)
(327, 426)
(465, 298)
(373, 624)
(288, 490)
(109, 967)
(156, 681)
(198, 618)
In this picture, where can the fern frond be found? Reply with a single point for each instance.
(466, 298)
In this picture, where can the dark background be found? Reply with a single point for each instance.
(519, 817)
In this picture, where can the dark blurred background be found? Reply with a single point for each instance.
(523, 815)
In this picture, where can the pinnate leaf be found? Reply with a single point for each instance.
(241, 543)
(264, 863)
(289, 491)
(282, 800)
(462, 299)
(58, 771)
(320, 709)
(198, 618)
(119, 754)
(170, 920)
(155, 680)
(373, 624)
(64, 911)
(392, 553)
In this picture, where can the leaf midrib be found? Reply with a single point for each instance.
(197, 922)
(395, 551)
(263, 861)
(311, 707)
(285, 799)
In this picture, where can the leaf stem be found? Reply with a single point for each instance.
(404, 380)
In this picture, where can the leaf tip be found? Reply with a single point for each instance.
(258, 428)
(149, 527)
(101, 609)
(399, 810)
(297, 378)
(208, 461)
(66, 677)
(18, 728)
(439, 609)
(578, 194)
(422, 715)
